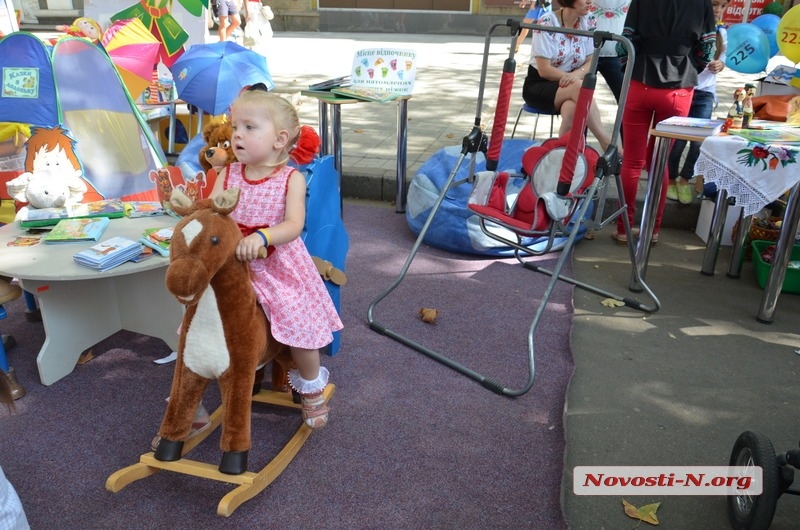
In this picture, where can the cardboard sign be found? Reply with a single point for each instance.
(20, 82)
(386, 69)
(739, 11)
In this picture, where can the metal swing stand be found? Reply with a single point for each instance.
(607, 164)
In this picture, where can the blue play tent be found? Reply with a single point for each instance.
(75, 84)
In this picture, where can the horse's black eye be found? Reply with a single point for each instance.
(214, 240)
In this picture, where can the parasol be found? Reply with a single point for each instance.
(134, 51)
(210, 76)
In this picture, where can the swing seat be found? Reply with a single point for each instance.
(501, 198)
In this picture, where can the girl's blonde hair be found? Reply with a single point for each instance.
(279, 109)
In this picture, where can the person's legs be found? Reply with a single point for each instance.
(669, 103)
(595, 124)
(636, 120)
(702, 107)
(309, 379)
(567, 112)
(222, 14)
(611, 70)
(235, 22)
(228, 18)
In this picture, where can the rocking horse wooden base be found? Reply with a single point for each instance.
(249, 483)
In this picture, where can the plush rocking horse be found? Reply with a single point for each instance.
(224, 336)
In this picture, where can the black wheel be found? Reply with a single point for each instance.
(746, 512)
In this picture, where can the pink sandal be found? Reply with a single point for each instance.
(201, 422)
(315, 410)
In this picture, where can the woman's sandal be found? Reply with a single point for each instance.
(622, 238)
(315, 410)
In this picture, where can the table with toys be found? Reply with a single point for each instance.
(130, 297)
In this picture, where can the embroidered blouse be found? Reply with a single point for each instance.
(565, 52)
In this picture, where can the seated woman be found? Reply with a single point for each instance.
(557, 67)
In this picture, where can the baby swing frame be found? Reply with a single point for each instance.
(607, 164)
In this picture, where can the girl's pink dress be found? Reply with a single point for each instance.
(287, 283)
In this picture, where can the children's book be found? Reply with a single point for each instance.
(35, 217)
(326, 95)
(786, 136)
(83, 229)
(328, 84)
(109, 253)
(157, 239)
(690, 126)
(135, 209)
(366, 94)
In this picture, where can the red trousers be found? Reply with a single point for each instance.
(644, 108)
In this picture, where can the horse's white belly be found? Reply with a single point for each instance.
(205, 351)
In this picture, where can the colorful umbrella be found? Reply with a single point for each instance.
(210, 76)
(134, 51)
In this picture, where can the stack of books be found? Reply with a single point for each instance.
(690, 126)
(157, 239)
(774, 136)
(109, 253)
(34, 218)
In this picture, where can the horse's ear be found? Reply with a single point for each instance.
(180, 203)
(226, 201)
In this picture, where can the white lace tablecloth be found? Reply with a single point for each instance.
(753, 173)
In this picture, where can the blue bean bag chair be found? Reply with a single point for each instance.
(455, 228)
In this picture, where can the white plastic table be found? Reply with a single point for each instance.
(81, 307)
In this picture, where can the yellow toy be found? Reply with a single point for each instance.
(84, 27)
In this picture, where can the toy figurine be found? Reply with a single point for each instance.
(83, 27)
(735, 112)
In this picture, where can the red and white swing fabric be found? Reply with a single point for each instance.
(496, 198)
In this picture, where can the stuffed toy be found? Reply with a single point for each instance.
(218, 151)
(53, 173)
(224, 334)
(86, 28)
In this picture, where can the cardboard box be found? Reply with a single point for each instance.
(704, 222)
(777, 82)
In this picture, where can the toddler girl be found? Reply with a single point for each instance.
(271, 213)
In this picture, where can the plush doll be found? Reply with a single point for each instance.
(218, 151)
(224, 334)
(86, 28)
(53, 173)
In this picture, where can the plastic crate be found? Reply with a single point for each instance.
(791, 282)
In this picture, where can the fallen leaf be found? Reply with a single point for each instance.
(450, 135)
(428, 315)
(646, 513)
(611, 302)
(358, 130)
